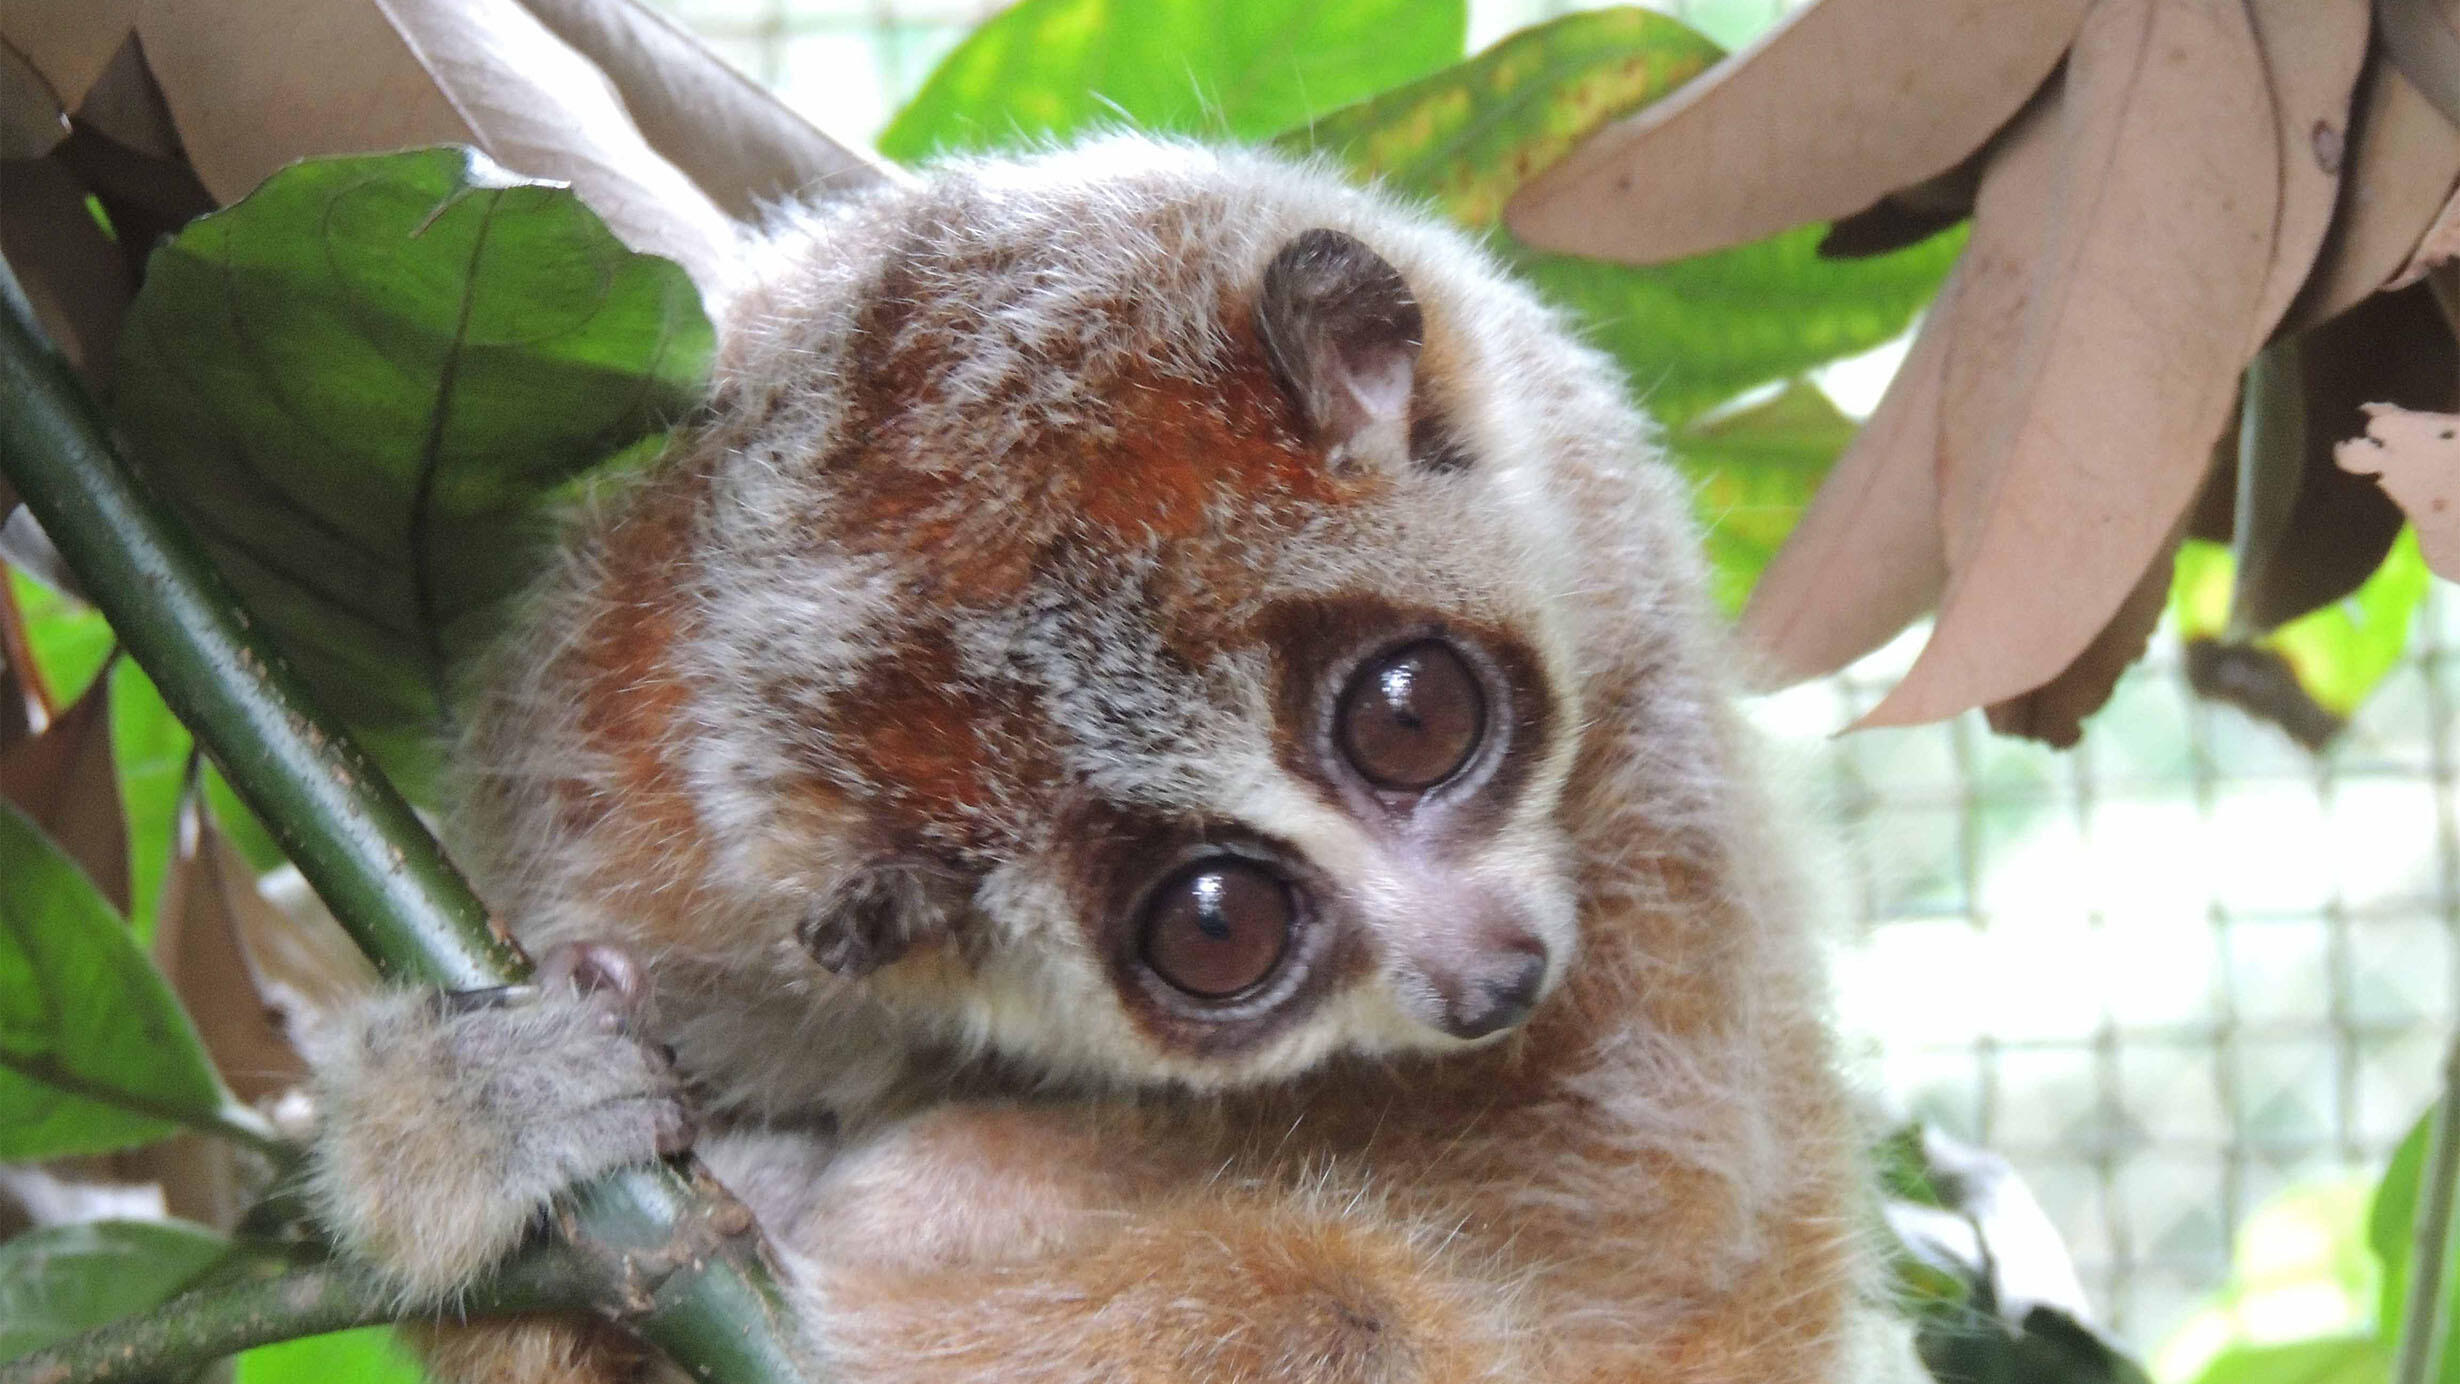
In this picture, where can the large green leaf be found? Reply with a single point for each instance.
(369, 1355)
(94, 1052)
(367, 383)
(1236, 68)
(1469, 136)
(64, 1280)
(2391, 1230)
(2332, 1360)
(1692, 334)
(1753, 471)
(150, 748)
(70, 639)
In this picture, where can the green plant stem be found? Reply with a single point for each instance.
(266, 1297)
(2425, 1322)
(716, 1310)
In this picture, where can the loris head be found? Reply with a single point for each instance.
(1123, 617)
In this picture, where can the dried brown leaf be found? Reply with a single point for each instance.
(74, 275)
(2260, 682)
(255, 84)
(1771, 138)
(198, 945)
(63, 779)
(2313, 51)
(539, 107)
(743, 147)
(69, 42)
(1865, 559)
(2054, 712)
(2073, 450)
(2442, 244)
(2392, 348)
(2417, 458)
(31, 118)
(2402, 166)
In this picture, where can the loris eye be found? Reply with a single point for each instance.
(1219, 927)
(1412, 718)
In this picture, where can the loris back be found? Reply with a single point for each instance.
(1163, 755)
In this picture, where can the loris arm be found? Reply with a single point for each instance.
(1038, 1246)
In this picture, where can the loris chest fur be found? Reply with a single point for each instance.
(1168, 703)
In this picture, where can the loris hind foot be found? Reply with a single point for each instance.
(446, 1122)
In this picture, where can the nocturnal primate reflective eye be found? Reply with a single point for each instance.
(1219, 927)
(1411, 719)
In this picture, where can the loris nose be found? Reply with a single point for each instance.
(1494, 1002)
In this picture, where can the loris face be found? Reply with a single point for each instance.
(1126, 627)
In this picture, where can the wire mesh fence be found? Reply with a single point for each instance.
(2168, 973)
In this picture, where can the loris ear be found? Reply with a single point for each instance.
(1342, 330)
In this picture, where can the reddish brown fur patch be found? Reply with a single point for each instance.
(629, 694)
(916, 734)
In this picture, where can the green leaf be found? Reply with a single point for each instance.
(369, 1355)
(240, 825)
(70, 639)
(2336, 1360)
(367, 384)
(1753, 471)
(150, 748)
(63, 1280)
(1469, 136)
(1690, 335)
(1243, 69)
(2339, 654)
(94, 1052)
(2047, 1347)
(2391, 1230)
(1693, 334)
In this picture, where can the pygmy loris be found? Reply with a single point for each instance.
(1162, 759)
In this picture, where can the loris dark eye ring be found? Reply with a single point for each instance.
(1411, 719)
(1219, 926)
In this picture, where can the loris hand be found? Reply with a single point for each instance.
(446, 1122)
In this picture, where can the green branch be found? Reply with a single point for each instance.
(260, 1297)
(717, 1312)
(2425, 1319)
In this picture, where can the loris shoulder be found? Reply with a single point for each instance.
(1163, 757)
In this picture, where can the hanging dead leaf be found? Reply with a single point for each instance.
(2402, 167)
(2392, 348)
(1910, 215)
(73, 274)
(68, 44)
(2260, 682)
(1772, 138)
(2054, 712)
(2006, 270)
(600, 93)
(539, 107)
(745, 148)
(2127, 347)
(2417, 458)
(2313, 51)
(31, 118)
(2442, 244)
(253, 86)
(198, 944)
(1865, 560)
(63, 779)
